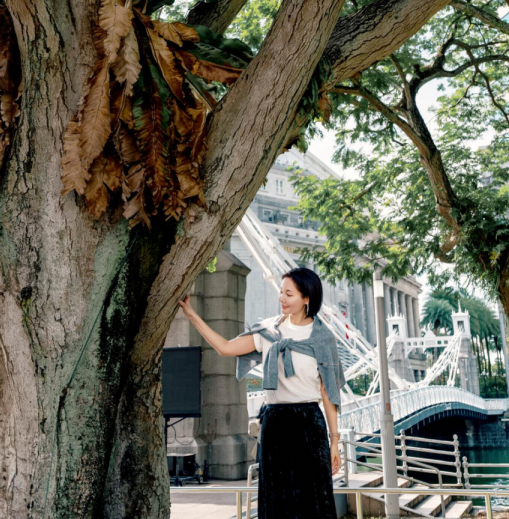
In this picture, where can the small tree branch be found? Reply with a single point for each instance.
(480, 14)
(217, 16)
(429, 74)
(497, 105)
(406, 84)
(356, 198)
(385, 110)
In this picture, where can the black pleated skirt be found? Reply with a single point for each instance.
(295, 475)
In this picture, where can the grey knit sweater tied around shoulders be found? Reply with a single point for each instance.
(321, 345)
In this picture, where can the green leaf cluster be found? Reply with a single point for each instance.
(387, 217)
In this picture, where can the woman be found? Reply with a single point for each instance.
(301, 368)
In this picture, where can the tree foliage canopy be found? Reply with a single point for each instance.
(424, 192)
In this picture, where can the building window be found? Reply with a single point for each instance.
(284, 217)
(416, 375)
(267, 215)
(395, 328)
(280, 186)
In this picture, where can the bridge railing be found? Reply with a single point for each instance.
(406, 403)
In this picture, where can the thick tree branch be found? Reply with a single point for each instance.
(480, 14)
(375, 32)
(217, 16)
(245, 135)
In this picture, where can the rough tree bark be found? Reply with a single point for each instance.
(81, 429)
(217, 16)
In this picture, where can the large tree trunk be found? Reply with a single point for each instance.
(68, 310)
(80, 337)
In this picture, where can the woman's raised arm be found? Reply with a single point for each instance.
(238, 346)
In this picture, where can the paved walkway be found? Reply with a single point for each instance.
(214, 505)
(207, 506)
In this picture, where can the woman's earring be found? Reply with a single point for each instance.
(307, 309)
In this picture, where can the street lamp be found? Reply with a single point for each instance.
(390, 474)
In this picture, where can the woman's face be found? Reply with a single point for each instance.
(290, 298)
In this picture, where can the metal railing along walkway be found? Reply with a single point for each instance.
(239, 491)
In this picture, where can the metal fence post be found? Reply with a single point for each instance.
(351, 450)
(489, 512)
(465, 472)
(402, 442)
(239, 504)
(457, 460)
(358, 501)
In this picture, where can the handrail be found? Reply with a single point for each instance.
(405, 449)
(429, 468)
(413, 438)
(468, 475)
(358, 492)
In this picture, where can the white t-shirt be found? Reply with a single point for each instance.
(304, 386)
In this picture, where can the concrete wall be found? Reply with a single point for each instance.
(220, 436)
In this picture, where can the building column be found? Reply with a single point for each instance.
(417, 317)
(410, 322)
(370, 314)
(220, 436)
(387, 307)
(402, 308)
(394, 302)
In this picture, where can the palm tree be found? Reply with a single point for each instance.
(437, 315)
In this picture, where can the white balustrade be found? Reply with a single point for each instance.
(404, 404)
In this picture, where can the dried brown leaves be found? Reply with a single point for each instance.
(140, 130)
(10, 81)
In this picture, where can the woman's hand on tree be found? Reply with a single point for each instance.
(334, 458)
(185, 304)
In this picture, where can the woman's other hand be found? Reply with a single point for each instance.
(185, 304)
(334, 458)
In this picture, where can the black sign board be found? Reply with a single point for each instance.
(182, 382)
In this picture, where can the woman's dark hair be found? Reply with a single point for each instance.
(309, 285)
